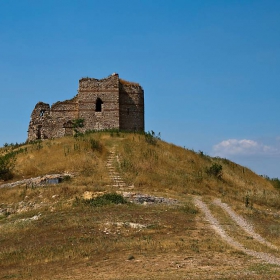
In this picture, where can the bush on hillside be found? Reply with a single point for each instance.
(95, 145)
(151, 137)
(7, 164)
(215, 170)
(274, 181)
(105, 199)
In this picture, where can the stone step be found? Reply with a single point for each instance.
(119, 185)
(113, 174)
(116, 178)
(119, 182)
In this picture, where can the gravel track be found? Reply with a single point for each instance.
(244, 224)
(219, 230)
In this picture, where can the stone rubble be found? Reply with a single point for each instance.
(146, 199)
(39, 181)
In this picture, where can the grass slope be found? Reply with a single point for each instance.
(50, 232)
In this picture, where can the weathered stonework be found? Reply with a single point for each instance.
(109, 103)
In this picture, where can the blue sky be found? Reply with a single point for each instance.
(210, 69)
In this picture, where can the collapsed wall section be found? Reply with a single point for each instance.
(50, 122)
(39, 117)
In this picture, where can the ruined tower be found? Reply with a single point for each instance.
(109, 103)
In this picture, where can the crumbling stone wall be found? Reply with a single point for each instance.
(104, 94)
(103, 104)
(131, 106)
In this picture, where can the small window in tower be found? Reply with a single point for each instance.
(99, 104)
(127, 111)
(42, 112)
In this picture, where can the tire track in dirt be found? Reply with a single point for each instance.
(248, 228)
(268, 258)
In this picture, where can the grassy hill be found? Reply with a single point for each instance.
(82, 229)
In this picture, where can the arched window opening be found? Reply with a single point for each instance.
(42, 112)
(99, 104)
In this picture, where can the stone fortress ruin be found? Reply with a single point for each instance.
(109, 103)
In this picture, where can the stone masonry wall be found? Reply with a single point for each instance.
(49, 122)
(131, 106)
(107, 91)
(39, 116)
(62, 113)
(109, 103)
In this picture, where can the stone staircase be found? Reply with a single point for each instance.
(113, 173)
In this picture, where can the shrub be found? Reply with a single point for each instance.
(105, 199)
(151, 137)
(95, 145)
(274, 181)
(7, 164)
(215, 170)
(189, 209)
(78, 123)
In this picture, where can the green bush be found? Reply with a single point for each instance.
(215, 170)
(78, 123)
(189, 209)
(274, 181)
(105, 199)
(151, 137)
(95, 145)
(7, 164)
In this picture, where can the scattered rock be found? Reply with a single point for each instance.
(87, 195)
(39, 181)
(130, 258)
(147, 199)
(34, 218)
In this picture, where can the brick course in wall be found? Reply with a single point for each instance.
(109, 103)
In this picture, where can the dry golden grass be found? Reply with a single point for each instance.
(238, 233)
(57, 156)
(124, 82)
(71, 240)
(166, 167)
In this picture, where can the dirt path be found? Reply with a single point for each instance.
(219, 230)
(244, 224)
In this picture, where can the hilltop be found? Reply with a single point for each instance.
(115, 205)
